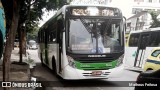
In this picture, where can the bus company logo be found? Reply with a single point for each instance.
(96, 55)
(85, 65)
(109, 65)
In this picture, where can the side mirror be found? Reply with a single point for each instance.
(124, 20)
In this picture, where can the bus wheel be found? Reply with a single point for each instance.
(42, 60)
(54, 69)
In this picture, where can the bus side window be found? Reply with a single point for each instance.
(154, 40)
(52, 32)
(60, 29)
(134, 39)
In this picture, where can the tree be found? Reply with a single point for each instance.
(156, 22)
(30, 13)
(15, 4)
(17, 13)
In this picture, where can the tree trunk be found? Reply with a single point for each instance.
(24, 42)
(20, 43)
(10, 42)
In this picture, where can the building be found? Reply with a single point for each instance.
(145, 5)
(136, 12)
(141, 20)
(132, 7)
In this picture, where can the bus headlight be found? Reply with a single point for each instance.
(71, 62)
(120, 60)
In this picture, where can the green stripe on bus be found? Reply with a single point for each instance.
(95, 66)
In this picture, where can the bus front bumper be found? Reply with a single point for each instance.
(70, 73)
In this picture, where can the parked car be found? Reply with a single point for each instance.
(34, 46)
(16, 43)
(148, 80)
(153, 60)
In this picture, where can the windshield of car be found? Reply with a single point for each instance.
(156, 53)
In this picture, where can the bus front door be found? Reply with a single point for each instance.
(139, 60)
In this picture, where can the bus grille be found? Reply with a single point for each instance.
(95, 60)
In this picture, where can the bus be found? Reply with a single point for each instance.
(83, 42)
(140, 45)
(2, 29)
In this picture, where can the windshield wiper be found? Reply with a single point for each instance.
(87, 27)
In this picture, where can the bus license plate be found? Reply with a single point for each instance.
(95, 73)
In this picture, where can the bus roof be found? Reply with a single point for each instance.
(147, 30)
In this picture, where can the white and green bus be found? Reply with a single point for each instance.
(139, 46)
(83, 42)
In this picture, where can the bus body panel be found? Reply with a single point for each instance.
(52, 53)
(130, 55)
(72, 73)
(147, 53)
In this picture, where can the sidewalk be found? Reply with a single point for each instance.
(17, 72)
(135, 69)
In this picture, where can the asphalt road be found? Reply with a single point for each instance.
(54, 83)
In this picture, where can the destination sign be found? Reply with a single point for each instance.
(94, 11)
(89, 2)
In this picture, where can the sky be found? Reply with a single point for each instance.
(46, 17)
(124, 5)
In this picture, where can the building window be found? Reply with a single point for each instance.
(149, 10)
(150, 1)
(136, 10)
(138, 0)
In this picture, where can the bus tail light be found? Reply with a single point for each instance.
(71, 62)
(120, 60)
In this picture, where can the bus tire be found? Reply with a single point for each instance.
(54, 69)
(42, 61)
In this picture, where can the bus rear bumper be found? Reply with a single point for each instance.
(70, 73)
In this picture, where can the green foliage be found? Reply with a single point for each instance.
(30, 11)
(32, 35)
(155, 22)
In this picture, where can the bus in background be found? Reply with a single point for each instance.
(2, 29)
(139, 47)
(83, 42)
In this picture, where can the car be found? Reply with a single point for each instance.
(34, 46)
(148, 80)
(153, 60)
(16, 43)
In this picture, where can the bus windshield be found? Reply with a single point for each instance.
(89, 36)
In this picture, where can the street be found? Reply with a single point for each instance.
(45, 74)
